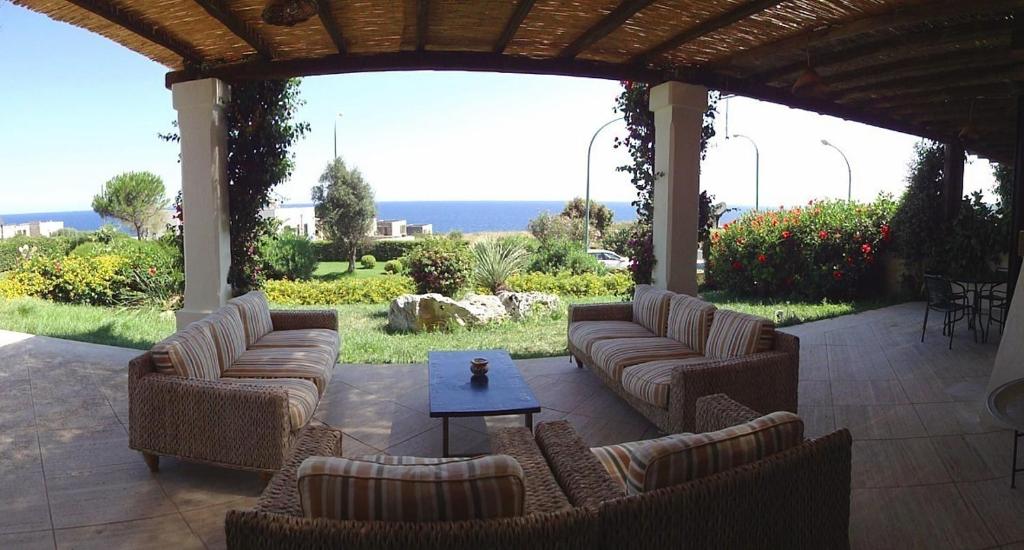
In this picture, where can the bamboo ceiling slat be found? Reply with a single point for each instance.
(370, 26)
(457, 25)
(552, 25)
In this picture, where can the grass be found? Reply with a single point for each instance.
(365, 338)
(332, 271)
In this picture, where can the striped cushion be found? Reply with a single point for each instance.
(613, 356)
(616, 458)
(735, 334)
(255, 313)
(689, 321)
(652, 381)
(584, 333)
(307, 364)
(228, 336)
(302, 396)
(480, 488)
(650, 308)
(320, 338)
(408, 460)
(674, 460)
(189, 353)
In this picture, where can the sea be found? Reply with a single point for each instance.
(445, 216)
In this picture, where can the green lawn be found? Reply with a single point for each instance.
(330, 271)
(365, 338)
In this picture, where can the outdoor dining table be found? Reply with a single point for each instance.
(976, 285)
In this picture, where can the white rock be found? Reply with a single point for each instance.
(521, 305)
(479, 309)
(419, 312)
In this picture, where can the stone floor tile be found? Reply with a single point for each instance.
(104, 495)
(352, 447)
(815, 393)
(813, 362)
(463, 441)
(818, 421)
(208, 522)
(35, 540)
(608, 430)
(944, 390)
(71, 450)
(857, 363)
(380, 424)
(23, 504)
(19, 451)
(860, 335)
(867, 392)
(75, 413)
(907, 362)
(190, 485)
(879, 421)
(956, 418)
(928, 516)
(158, 533)
(1000, 507)
(897, 463)
(976, 457)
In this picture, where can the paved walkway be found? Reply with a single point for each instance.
(930, 467)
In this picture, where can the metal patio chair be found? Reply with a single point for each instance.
(952, 302)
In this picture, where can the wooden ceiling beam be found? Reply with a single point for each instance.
(422, 24)
(946, 93)
(219, 10)
(1012, 72)
(148, 31)
(730, 17)
(934, 79)
(797, 44)
(323, 8)
(512, 25)
(919, 65)
(607, 25)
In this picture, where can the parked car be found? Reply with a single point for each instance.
(609, 259)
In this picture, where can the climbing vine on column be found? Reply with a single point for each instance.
(634, 105)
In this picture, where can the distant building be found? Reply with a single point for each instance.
(419, 229)
(301, 219)
(390, 228)
(30, 229)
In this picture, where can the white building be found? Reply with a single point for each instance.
(30, 229)
(419, 229)
(301, 219)
(389, 229)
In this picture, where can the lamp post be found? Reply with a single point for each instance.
(336, 136)
(849, 173)
(586, 207)
(757, 170)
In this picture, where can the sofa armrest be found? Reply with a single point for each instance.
(613, 311)
(765, 382)
(578, 471)
(206, 420)
(281, 495)
(718, 411)
(294, 319)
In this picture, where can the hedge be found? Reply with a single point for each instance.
(49, 247)
(348, 290)
(383, 250)
(617, 283)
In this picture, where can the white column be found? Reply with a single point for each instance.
(204, 186)
(678, 116)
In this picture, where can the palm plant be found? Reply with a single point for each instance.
(496, 261)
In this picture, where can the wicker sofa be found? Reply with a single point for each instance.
(797, 498)
(658, 355)
(233, 389)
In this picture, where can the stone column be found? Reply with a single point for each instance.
(204, 186)
(678, 116)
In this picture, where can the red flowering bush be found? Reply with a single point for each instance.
(828, 249)
(441, 264)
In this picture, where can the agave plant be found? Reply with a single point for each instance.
(496, 261)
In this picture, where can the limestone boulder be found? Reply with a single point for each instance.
(423, 312)
(521, 305)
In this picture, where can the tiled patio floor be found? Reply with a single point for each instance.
(930, 467)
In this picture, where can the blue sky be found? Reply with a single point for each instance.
(83, 109)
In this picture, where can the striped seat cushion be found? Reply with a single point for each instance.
(302, 396)
(584, 334)
(689, 321)
(650, 308)
(735, 334)
(672, 460)
(228, 336)
(616, 458)
(408, 460)
(652, 381)
(307, 364)
(189, 353)
(323, 339)
(255, 314)
(615, 355)
(480, 488)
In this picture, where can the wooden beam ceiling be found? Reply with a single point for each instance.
(219, 10)
(512, 25)
(153, 33)
(795, 46)
(331, 26)
(917, 65)
(950, 92)
(734, 15)
(1012, 72)
(422, 24)
(911, 80)
(607, 25)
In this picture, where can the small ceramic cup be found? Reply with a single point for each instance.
(478, 365)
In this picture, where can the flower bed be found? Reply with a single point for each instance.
(828, 249)
(373, 290)
(617, 283)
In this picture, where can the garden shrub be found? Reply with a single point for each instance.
(47, 247)
(442, 265)
(495, 261)
(616, 238)
(288, 256)
(618, 283)
(393, 266)
(73, 279)
(827, 250)
(150, 274)
(385, 250)
(555, 255)
(374, 290)
(368, 262)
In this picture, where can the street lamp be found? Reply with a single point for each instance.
(757, 170)
(586, 207)
(336, 135)
(849, 173)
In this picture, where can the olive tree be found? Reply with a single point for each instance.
(344, 208)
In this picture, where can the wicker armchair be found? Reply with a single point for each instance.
(765, 381)
(798, 498)
(218, 422)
